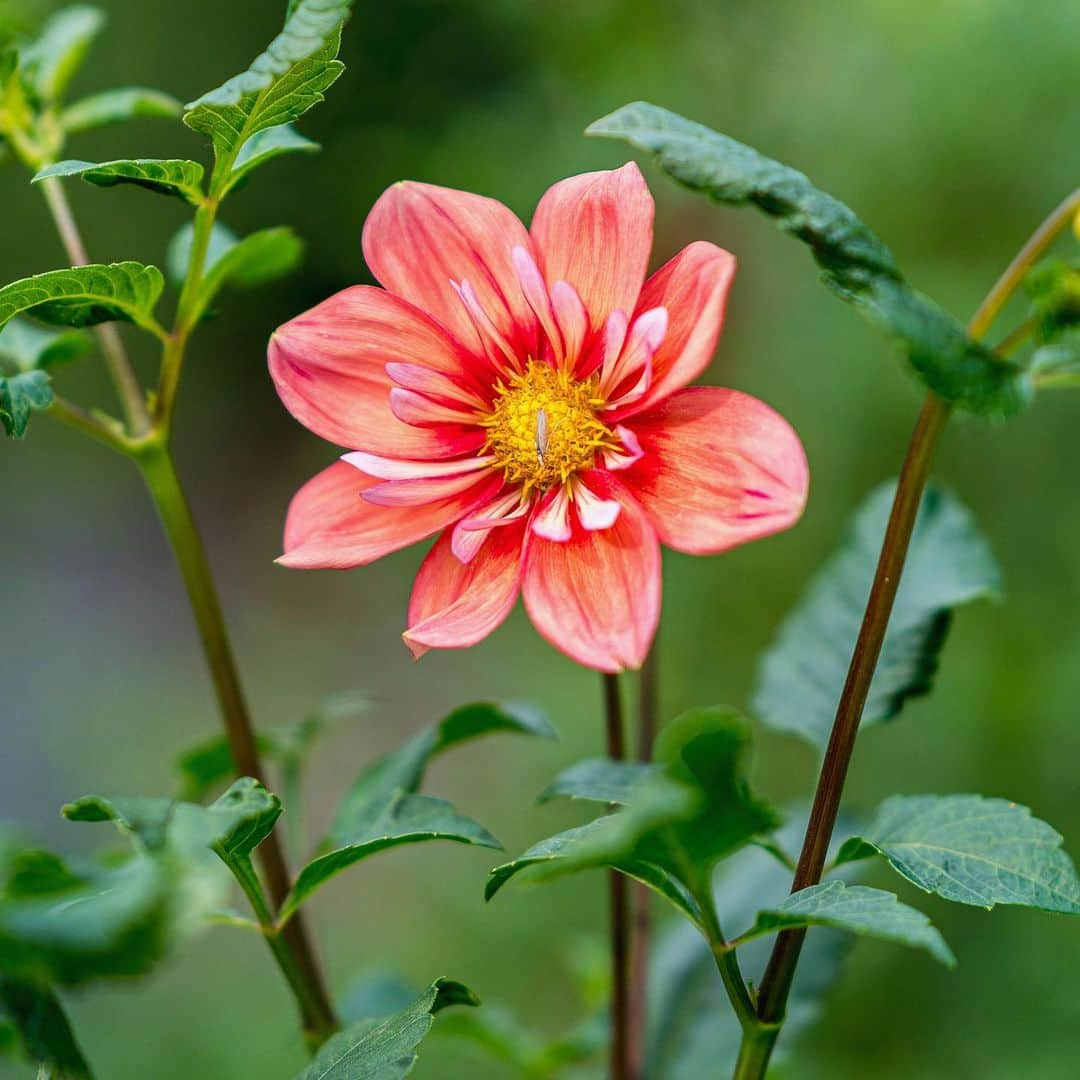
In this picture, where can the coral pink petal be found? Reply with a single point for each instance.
(455, 604)
(595, 231)
(421, 411)
(471, 532)
(624, 457)
(435, 384)
(330, 526)
(693, 287)
(597, 595)
(593, 512)
(719, 468)
(571, 316)
(419, 490)
(329, 367)
(552, 520)
(420, 239)
(396, 469)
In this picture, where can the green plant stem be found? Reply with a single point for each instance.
(776, 983)
(163, 483)
(112, 347)
(619, 906)
(727, 961)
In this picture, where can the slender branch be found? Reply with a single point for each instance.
(112, 346)
(776, 984)
(75, 416)
(619, 906)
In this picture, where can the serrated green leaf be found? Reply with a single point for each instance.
(281, 85)
(24, 346)
(402, 770)
(43, 1029)
(599, 780)
(949, 563)
(116, 106)
(858, 909)
(87, 295)
(177, 177)
(972, 850)
(21, 395)
(266, 145)
(53, 58)
(386, 1050)
(409, 819)
(857, 265)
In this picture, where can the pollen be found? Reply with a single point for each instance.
(543, 426)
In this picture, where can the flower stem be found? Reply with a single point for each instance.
(776, 984)
(163, 483)
(619, 907)
(112, 347)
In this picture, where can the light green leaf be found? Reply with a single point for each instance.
(370, 1050)
(280, 86)
(402, 770)
(24, 346)
(87, 295)
(972, 850)
(177, 177)
(857, 908)
(242, 819)
(52, 59)
(145, 819)
(857, 265)
(599, 780)
(949, 563)
(115, 106)
(21, 395)
(43, 1028)
(266, 145)
(409, 819)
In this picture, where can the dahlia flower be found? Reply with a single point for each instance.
(523, 394)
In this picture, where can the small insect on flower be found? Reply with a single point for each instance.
(524, 394)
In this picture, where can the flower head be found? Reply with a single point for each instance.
(523, 393)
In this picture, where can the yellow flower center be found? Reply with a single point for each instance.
(543, 427)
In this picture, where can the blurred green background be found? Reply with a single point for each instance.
(952, 127)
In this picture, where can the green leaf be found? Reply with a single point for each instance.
(43, 1028)
(972, 850)
(386, 1050)
(1054, 289)
(857, 908)
(52, 60)
(177, 177)
(409, 819)
(949, 563)
(266, 145)
(87, 295)
(145, 819)
(857, 265)
(115, 106)
(20, 395)
(599, 780)
(281, 85)
(402, 770)
(241, 820)
(24, 346)
(1059, 362)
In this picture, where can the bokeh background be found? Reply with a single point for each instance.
(952, 127)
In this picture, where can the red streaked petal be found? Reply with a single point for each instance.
(419, 239)
(536, 292)
(329, 368)
(420, 411)
(552, 520)
(436, 384)
(330, 526)
(694, 288)
(572, 318)
(456, 604)
(634, 359)
(597, 596)
(420, 490)
(595, 231)
(396, 469)
(593, 512)
(626, 456)
(720, 468)
(471, 532)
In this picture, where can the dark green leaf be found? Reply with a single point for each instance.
(857, 908)
(43, 1028)
(857, 265)
(165, 177)
(409, 819)
(1054, 288)
(949, 563)
(599, 780)
(973, 850)
(87, 295)
(281, 85)
(115, 106)
(402, 770)
(267, 145)
(24, 347)
(20, 395)
(59, 51)
(386, 1050)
